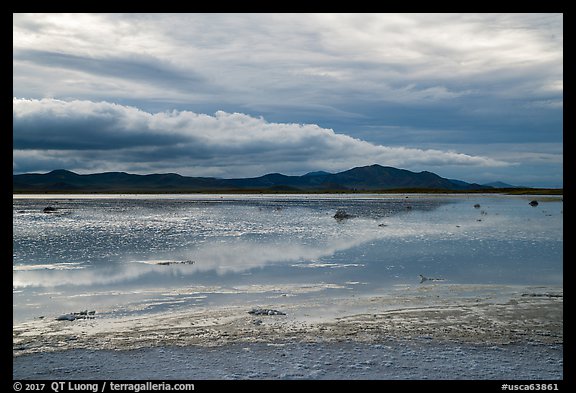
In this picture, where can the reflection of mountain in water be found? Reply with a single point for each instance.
(387, 208)
(368, 208)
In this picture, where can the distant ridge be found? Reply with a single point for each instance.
(317, 173)
(499, 184)
(367, 178)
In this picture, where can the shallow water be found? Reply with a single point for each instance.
(137, 254)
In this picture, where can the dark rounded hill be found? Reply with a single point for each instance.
(366, 178)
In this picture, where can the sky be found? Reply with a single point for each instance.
(474, 97)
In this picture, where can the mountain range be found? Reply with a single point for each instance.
(366, 178)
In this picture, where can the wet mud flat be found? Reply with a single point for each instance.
(425, 332)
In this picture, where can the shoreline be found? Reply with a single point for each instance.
(468, 314)
(435, 331)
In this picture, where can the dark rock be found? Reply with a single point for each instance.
(477, 206)
(341, 215)
(265, 311)
(66, 317)
(49, 209)
(76, 315)
(543, 295)
(533, 203)
(168, 263)
(424, 279)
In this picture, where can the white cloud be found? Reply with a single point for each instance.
(252, 58)
(92, 135)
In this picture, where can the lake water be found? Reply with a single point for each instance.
(134, 254)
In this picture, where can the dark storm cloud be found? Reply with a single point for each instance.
(77, 126)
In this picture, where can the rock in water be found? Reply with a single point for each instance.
(424, 279)
(168, 263)
(341, 215)
(49, 209)
(533, 203)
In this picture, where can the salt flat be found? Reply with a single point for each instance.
(417, 326)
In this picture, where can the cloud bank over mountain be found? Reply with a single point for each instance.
(126, 138)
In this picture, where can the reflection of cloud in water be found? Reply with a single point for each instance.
(85, 277)
(315, 265)
(239, 255)
(52, 266)
(230, 257)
